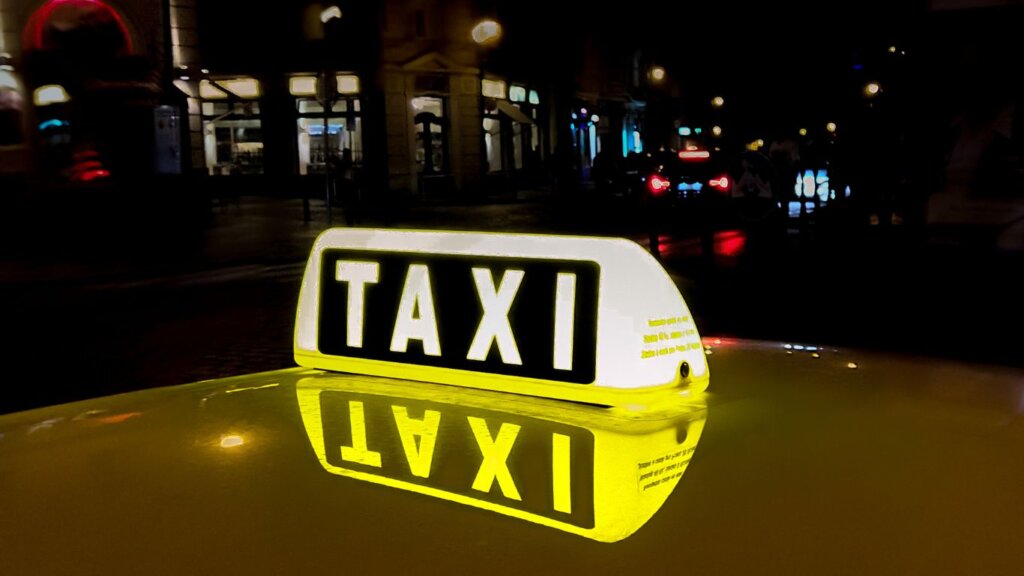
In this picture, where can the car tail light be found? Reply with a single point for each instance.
(694, 155)
(658, 184)
(721, 183)
(87, 165)
(90, 175)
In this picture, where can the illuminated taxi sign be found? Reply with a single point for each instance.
(562, 317)
(581, 469)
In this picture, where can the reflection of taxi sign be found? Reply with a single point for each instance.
(591, 319)
(581, 469)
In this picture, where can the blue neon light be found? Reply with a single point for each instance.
(52, 124)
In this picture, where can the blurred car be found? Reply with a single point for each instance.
(677, 178)
(682, 187)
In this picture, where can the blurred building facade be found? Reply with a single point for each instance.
(267, 98)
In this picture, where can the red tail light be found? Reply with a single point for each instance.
(90, 175)
(721, 183)
(658, 184)
(87, 166)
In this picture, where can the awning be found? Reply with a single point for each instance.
(514, 113)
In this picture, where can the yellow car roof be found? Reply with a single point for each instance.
(797, 460)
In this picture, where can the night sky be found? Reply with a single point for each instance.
(779, 64)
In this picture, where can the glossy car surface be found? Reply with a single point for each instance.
(810, 460)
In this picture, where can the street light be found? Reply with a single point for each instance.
(50, 94)
(330, 13)
(831, 127)
(486, 32)
(803, 131)
(326, 93)
(657, 73)
(718, 101)
(716, 130)
(871, 89)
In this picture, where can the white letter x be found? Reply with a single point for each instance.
(494, 322)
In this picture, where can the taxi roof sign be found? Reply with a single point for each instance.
(578, 318)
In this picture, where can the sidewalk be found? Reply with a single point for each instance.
(247, 235)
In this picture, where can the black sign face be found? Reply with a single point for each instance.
(529, 464)
(512, 316)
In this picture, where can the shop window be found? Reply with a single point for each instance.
(302, 86)
(493, 88)
(347, 84)
(232, 129)
(242, 87)
(492, 143)
(305, 86)
(632, 129)
(233, 139)
(587, 144)
(526, 138)
(344, 132)
(511, 137)
(208, 91)
(431, 134)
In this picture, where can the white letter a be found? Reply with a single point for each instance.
(415, 319)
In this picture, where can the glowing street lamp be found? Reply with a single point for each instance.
(486, 32)
(330, 13)
(803, 131)
(871, 89)
(831, 127)
(50, 94)
(326, 92)
(657, 73)
(716, 130)
(718, 101)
